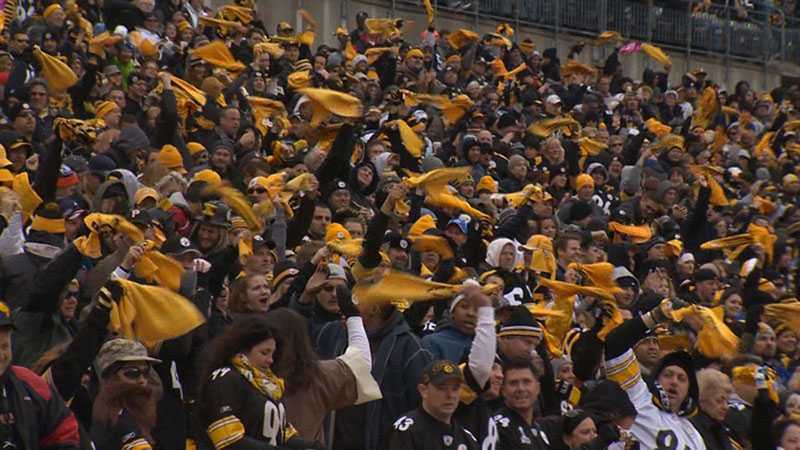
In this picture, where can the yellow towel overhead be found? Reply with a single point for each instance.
(399, 285)
(326, 102)
(428, 10)
(152, 314)
(58, 74)
(544, 128)
(219, 55)
(461, 37)
(657, 54)
(715, 339)
(97, 223)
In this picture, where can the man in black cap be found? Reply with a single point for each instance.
(398, 248)
(705, 286)
(23, 120)
(431, 426)
(17, 150)
(518, 336)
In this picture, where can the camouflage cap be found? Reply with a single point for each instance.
(121, 350)
(437, 372)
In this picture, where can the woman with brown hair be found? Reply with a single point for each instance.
(241, 399)
(249, 295)
(315, 388)
(124, 410)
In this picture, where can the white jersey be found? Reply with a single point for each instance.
(654, 428)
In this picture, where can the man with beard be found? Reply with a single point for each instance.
(32, 414)
(124, 410)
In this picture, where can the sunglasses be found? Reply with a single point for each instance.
(134, 373)
(257, 191)
(71, 294)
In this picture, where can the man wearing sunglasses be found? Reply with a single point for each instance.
(126, 378)
(32, 414)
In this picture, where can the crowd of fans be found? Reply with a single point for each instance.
(213, 235)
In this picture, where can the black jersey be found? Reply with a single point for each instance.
(235, 410)
(418, 430)
(514, 434)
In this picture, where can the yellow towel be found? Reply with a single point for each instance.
(707, 107)
(326, 102)
(461, 37)
(715, 339)
(219, 55)
(152, 314)
(90, 246)
(544, 128)
(657, 54)
(58, 74)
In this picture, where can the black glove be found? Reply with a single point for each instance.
(346, 305)
(110, 293)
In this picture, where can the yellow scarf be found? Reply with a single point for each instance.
(267, 382)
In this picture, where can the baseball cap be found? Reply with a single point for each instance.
(398, 241)
(111, 70)
(440, 371)
(179, 245)
(462, 222)
(77, 163)
(121, 350)
(553, 99)
(283, 270)
(336, 272)
(19, 110)
(101, 165)
(704, 275)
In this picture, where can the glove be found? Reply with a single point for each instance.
(660, 314)
(110, 293)
(346, 306)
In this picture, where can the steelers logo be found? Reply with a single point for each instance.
(185, 242)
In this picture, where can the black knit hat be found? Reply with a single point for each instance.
(685, 362)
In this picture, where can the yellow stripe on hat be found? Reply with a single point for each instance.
(55, 226)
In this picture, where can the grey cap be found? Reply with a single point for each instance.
(111, 70)
(121, 350)
(77, 163)
(762, 173)
(336, 272)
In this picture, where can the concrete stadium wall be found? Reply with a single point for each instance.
(333, 13)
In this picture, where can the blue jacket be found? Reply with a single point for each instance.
(447, 343)
(397, 363)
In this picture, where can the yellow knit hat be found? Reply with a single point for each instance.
(208, 176)
(195, 148)
(171, 158)
(486, 183)
(104, 108)
(50, 10)
(584, 180)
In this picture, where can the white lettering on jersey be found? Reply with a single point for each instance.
(403, 423)
(274, 420)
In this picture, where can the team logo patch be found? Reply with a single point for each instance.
(448, 440)
(185, 242)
